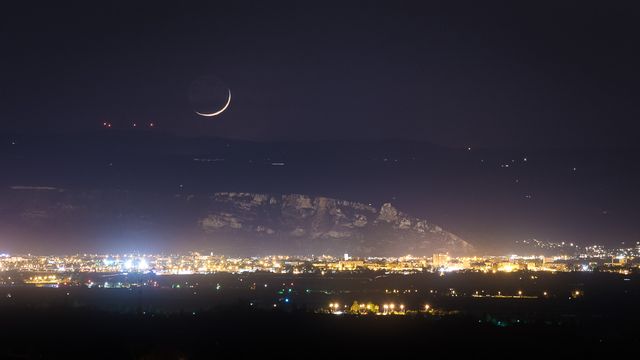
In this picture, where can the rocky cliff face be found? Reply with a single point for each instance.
(321, 225)
(233, 223)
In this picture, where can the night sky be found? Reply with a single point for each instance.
(455, 73)
(470, 86)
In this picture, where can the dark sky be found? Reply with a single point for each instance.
(456, 73)
(336, 90)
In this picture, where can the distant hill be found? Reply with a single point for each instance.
(321, 225)
(235, 223)
(490, 197)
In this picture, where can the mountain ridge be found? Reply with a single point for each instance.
(327, 225)
(240, 223)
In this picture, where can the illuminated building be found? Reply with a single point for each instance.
(440, 260)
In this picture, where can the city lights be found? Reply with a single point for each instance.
(196, 263)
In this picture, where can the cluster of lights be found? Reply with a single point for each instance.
(130, 265)
(388, 308)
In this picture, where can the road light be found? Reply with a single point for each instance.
(426, 307)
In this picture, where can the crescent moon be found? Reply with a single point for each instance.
(219, 111)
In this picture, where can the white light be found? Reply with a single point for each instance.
(142, 264)
(128, 264)
(585, 267)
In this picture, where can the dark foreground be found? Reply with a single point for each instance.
(92, 334)
(69, 333)
(237, 321)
